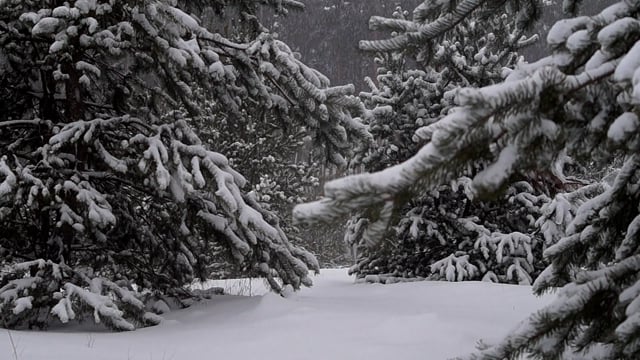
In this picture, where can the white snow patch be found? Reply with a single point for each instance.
(22, 304)
(336, 319)
(160, 307)
(45, 26)
(623, 126)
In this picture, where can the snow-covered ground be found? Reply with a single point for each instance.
(336, 319)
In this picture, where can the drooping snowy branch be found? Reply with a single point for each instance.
(425, 26)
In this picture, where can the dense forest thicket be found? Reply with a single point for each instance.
(148, 144)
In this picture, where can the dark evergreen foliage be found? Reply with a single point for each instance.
(109, 188)
(443, 234)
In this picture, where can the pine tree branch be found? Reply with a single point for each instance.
(26, 123)
(220, 41)
(424, 32)
(280, 89)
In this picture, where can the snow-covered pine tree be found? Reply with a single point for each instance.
(106, 188)
(442, 234)
(284, 164)
(275, 159)
(583, 101)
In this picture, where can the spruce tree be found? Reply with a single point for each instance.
(442, 233)
(107, 189)
(580, 101)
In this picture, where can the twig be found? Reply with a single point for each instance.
(90, 341)
(25, 123)
(220, 41)
(275, 83)
(13, 345)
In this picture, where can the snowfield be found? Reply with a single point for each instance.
(336, 319)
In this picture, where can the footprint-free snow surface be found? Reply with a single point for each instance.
(336, 319)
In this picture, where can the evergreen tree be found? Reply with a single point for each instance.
(283, 163)
(278, 163)
(442, 234)
(107, 189)
(581, 101)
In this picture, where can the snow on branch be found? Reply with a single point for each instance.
(448, 15)
(452, 139)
